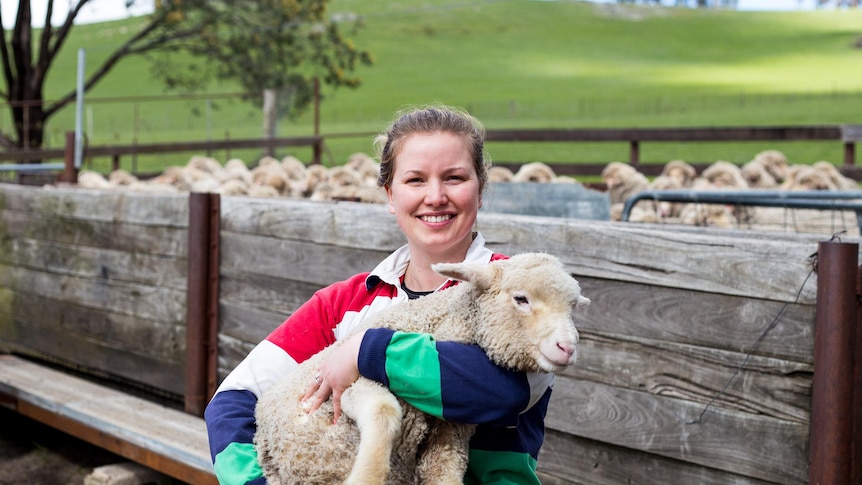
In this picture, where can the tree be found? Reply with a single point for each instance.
(259, 44)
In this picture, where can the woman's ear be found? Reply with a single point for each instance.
(389, 197)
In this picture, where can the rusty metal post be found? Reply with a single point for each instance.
(202, 301)
(70, 174)
(634, 152)
(856, 471)
(849, 154)
(830, 441)
(212, 316)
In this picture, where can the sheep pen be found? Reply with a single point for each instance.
(519, 310)
(356, 181)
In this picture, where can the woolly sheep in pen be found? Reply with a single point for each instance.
(367, 168)
(756, 175)
(293, 167)
(520, 311)
(121, 177)
(681, 171)
(534, 172)
(665, 209)
(841, 181)
(775, 163)
(724, 174)
(207, 164)
(89, 179)
(498, 174)
(807, 177)
(623, 181)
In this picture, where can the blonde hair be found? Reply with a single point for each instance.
(431, 119)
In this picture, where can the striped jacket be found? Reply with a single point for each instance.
(460, 383)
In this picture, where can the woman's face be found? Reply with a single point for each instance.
(435, 194)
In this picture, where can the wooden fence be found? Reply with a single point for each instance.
(847, 135)
(696, 354)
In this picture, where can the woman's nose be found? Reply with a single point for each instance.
(436, 194)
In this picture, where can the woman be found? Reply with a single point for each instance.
(433, 170)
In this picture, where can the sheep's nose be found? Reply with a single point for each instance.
(567, 348)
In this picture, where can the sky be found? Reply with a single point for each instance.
(103, 10)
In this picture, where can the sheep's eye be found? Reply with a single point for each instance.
(521, 300)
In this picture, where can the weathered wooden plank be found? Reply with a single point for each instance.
(568, 459)
(99, 205)
(97, 263)
(699, 318)
(755, 446)
(343, 224)
(94, 356)
(231, 352)
(155, 240)
(768, 386)
(711, 261)
(302, 261)
(248, 324)
(133, 299)
(158, 340)
(117, 419)
(270, 294)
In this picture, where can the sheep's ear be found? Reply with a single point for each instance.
(480, 275)
(582, 301)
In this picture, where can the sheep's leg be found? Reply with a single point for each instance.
(444, 460)
(378, 416)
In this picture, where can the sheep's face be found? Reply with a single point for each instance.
(530, 300)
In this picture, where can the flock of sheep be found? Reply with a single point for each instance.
(769, 170)
(356, 180)
(270, 177)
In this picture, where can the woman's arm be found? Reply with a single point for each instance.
(453, 381)
(450, 380)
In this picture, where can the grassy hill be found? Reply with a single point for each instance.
(520, 63)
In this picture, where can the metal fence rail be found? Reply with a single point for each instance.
(803, 199)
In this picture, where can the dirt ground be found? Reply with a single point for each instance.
(34, 454)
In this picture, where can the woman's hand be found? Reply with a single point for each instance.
(335, 375)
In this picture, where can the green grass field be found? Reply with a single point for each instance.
(520, 63)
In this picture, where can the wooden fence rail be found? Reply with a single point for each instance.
(848, 135)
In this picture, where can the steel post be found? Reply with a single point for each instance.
(830, 443)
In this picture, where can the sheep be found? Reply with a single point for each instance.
(315, 175)
(712, 215)
(520, 311)
(89, 179)
(757, 176)
(663, 208)
(775, 163)
(121, 177)
(725, 175)
(681, 171)
(207, 164)
(365, 166)
(841, 181)
(293, 167)
(807, 177)
(534, 172)
(497, 174)
(623, 181)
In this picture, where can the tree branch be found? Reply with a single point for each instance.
(123, 51)
(7, 68)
